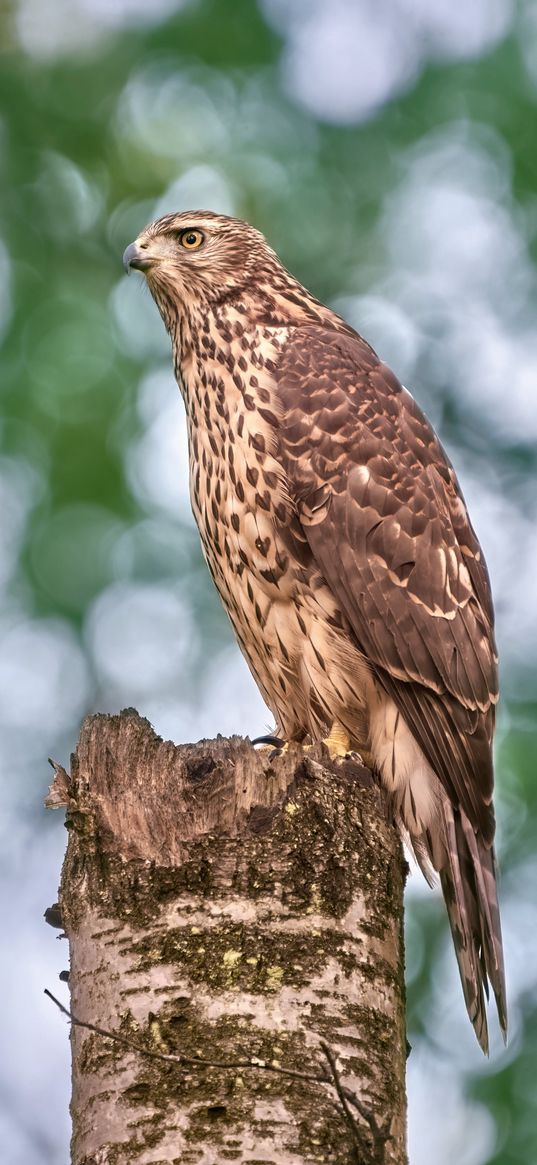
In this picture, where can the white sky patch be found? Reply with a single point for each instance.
(200, 188)
(458, 265)
(69, 202)
(451, 215)
(229, 703)
(43, 675)
(116, 13)
(451, 1034)
(62, 27)
(171, 114)
(519, 920)
(5, 290)
(527, 36)
(439, 1116)
(34, 1078)
(156, 546)
(140, 331)
(387, 327)
(451, 32)
(494, 368)
(141, 638)
(344, 60)
(157, 462)
(21, 485)
(507, 531)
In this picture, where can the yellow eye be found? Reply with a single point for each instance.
(191, 239)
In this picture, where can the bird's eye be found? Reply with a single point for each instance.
(191, 239)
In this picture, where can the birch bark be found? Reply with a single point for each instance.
(229, 906)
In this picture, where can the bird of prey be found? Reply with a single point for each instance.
(335, 530)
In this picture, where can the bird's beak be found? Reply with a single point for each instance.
(136, 256)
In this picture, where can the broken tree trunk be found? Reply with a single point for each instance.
(235, 923)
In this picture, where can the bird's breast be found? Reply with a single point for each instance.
(237, 485)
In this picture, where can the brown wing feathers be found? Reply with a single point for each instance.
(390, 552)
(397, 548)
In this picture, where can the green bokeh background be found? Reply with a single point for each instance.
(410, 203)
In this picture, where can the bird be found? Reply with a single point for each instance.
(336, 532)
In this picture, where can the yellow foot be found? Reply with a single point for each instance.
(337, 742)
(339, 746)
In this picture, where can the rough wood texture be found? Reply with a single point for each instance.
(225, 904)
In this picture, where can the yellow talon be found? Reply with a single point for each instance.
(337, 742)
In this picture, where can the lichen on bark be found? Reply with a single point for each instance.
(227, 905)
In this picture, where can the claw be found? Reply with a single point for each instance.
(337, 744)
(275, 741)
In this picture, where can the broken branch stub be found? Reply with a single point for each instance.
(235, 922)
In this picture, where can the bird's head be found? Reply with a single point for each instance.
(197, 257)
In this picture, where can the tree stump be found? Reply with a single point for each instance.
(235, 923)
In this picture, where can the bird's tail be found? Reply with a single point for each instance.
(468, 880)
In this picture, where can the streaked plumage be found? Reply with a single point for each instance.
(335, 530)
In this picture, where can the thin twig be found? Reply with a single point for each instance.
(379, 1135)
(355, 1130)
(185, 1061)
(321, 1077)
(343, 1094)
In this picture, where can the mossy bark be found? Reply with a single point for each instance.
(225, 904)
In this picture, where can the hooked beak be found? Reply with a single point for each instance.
(135, 256)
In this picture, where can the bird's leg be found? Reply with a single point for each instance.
(337, 742)
(339, 746)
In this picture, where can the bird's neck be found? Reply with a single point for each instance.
(211, 336)
(283, 302)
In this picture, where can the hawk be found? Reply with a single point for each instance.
(335, 530)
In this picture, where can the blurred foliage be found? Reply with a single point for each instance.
(105, 597)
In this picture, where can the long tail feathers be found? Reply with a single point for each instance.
(468, 879)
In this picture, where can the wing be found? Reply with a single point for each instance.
(385, 519)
